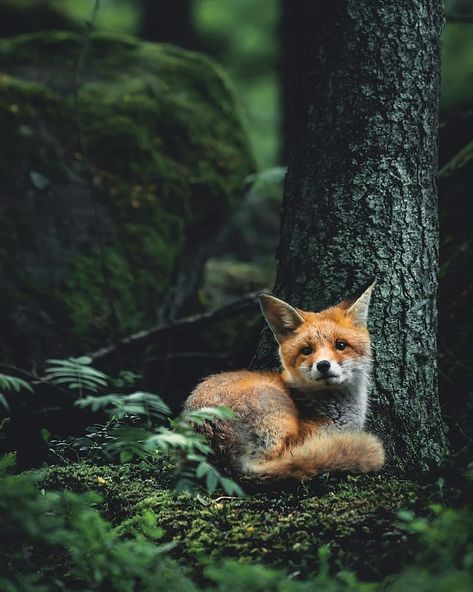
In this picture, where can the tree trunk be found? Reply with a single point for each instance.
(360, 199)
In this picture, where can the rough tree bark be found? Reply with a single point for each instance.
(360, 198)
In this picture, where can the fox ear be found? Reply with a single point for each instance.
(358, 304)
(280, 316)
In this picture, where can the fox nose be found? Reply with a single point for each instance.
(323, 366)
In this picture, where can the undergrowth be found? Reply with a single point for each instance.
(60, 541)
(146, 510)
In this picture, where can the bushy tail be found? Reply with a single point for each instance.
(339, 451)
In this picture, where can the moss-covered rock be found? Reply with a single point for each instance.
(117, 165)
(355, 516)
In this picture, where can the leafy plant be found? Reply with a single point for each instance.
(194, 450)
(135, 427)
(11, 383)
(119, 406)
(133, 432)
(77, 374)
(126, 379)
(445, 538)
(73, 535)
(236, 577)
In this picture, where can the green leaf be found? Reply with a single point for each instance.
(39, 180)
(83, 360)
(231, 488)
(211, 481)
(172, 439)
(13, 383)
(183, 485)
(210, 414)
(202, 469)
(125, 456)
(76, 373)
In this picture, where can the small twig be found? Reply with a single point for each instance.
(241, 306)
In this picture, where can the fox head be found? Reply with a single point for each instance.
(321, 349)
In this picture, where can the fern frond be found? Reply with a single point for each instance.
(76, 374)
(137, 404)
(13, 383)
(208, 414)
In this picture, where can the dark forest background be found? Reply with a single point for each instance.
(181, 275)
(253, 47)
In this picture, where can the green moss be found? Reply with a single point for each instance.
(286, 529)
(84, 295)
(144, 162)
(122, 487)
(356, 516)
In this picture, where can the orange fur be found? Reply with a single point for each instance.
(274, 434)
(344, 451)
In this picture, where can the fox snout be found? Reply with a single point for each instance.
(323, 366)
(324, 370)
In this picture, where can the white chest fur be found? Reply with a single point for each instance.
(346, 407)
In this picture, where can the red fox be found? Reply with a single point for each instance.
(306, 419)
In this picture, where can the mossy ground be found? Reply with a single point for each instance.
(113, 173)
(281, 527)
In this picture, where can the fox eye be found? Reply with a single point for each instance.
(306, 351)
(340, 345)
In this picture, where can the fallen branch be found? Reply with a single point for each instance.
(244, 305)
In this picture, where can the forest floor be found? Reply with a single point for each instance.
(283, 527)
